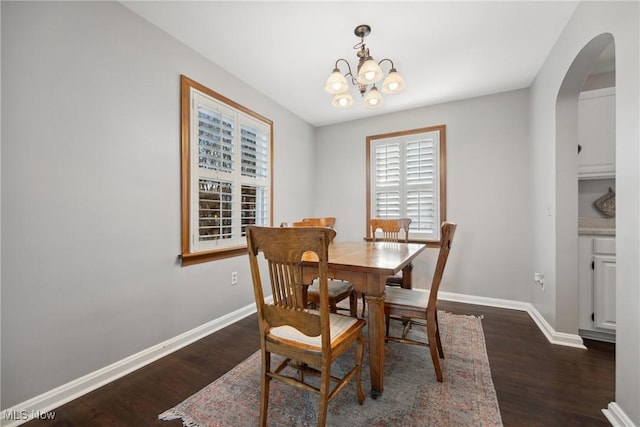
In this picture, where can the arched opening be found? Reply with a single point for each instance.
(568, 292)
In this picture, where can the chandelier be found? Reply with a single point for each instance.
(368, 74)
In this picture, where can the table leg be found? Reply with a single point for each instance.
(375, 305)
(406, 276)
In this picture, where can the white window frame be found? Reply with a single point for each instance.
(393, 185)
(218, 199)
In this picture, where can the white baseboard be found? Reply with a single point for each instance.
(490, 302)
(616, 416)
(597, 335)
(559, 338)
(42, 406)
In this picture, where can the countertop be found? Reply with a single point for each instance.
(597, 226)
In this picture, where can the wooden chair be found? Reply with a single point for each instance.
(393, 230)
(321, 222)
(413, 304)
(338, 289)
(309, 340)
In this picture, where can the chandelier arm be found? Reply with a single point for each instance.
(350, 73)
(386, 59)
(346, 62)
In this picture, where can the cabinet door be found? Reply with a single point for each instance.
(596, 134)
(604, 292)
(585, 282)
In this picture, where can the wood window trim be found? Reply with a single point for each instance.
(187, 257)
(441, 176)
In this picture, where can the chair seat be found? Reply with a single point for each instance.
(395, 280)
(336, 288)
(406, 297)
(339, 324)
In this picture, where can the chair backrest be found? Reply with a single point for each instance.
(448, 230)
(284, 249)
(321, 222)
(315, 222)
(393, 229)
(302, 223)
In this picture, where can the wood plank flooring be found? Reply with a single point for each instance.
(537, 383)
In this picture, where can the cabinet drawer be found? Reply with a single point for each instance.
(604, 246)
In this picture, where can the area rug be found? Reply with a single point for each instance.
(412, 396)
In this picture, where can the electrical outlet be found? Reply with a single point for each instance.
(234, 277)
(538, 279)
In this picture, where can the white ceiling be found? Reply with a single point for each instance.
(444, 50)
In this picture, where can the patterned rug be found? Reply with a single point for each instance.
(412, 396)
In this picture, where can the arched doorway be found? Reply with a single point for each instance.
(567, 292)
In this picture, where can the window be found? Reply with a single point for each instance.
(406, 178)
(226, 173)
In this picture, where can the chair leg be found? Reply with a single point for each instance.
(325, 382)
(353, 304)
(364, 305)
(264, 387)
(431, 336)
(332, 306)
(406, 325)
(438, 342)
(359, 355)
(386, 324)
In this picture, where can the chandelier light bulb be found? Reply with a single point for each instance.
(394, 82)
(373, 99)
(369, 73)
(342, 100)
(336, 83)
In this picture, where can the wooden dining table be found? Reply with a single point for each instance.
(367, 265)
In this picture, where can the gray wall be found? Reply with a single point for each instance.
(487, 185)
(91, 192)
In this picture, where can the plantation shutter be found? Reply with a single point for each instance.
(421, 183)
(406, 181)
(387, 180)
(254, 142)
(231, 161)
(215, 139)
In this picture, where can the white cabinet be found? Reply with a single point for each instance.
(596, 134)
(597, 287)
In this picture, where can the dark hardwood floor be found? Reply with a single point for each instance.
(537, 383)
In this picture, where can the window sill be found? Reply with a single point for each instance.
(429, 243)
(200, 257)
